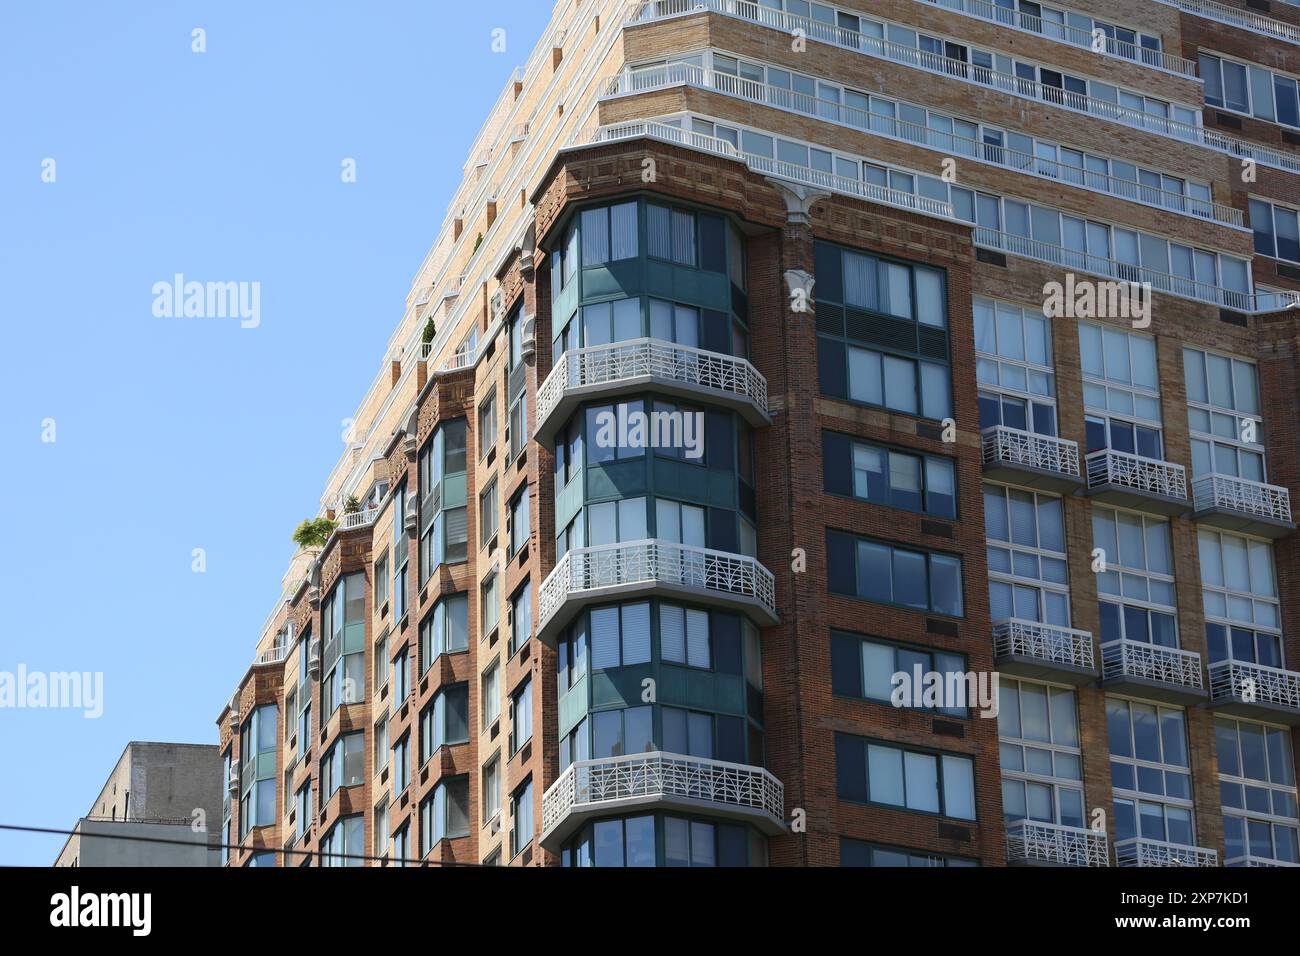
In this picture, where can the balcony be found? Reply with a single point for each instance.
(878, 48)
(1245, 19)
(1030, 843)
(632, 569)
(1152, 672)
(1139, 852)
(1131, 481)
(358, 519)
(1031, 649)
(649, 79)
(764, 165)
(591, 788)
(1251, 860)
(1035, 461)
(609, 371)
(1238, 504)
(1253, 690)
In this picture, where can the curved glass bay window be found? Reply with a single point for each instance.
(707, 671)
(882, 331)
(444, 528)
(343, 664)
(258, 744)
(662, 839)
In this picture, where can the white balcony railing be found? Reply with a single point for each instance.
(1137, 851)
(275, 653)
(1245, 19)
(649, 775)
(1112, 467)
(1254, 684)
(1251, 860)
(879, 48)
(1011, 446)
(676, 74)
(654, 129)
(358, 519)
(1167, 665)
(1031, 841)
(654, 358)
(1182, 286)
(1019, 20)
(1241, 494)
(652, 560)
(1044, 642)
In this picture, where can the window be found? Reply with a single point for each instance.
(1136, 591)
(1042, 769)
(518, 426)
(1028, 575)
(383, 580)
(379, 674)
(521, 716)
(258, 741)
(571, 656)
(1013, 365)
(304, 695)
(605, 441)
(576, 744)
(1121, 394)
(614, 521)
(568, 454)
(684, 636)
(490, 601)
(444, 721)
(487, 424)
(876, 571)
(617, 320)
(402, 765)
(1243, 621)
(444, 525)
(871, 377)
(519, 521)
(671, 234)
(620, 635)
(381, 744)
(492, 788)
(490, 689)
(1250, 89)
(381, 827)
(679, 523)
(444, 814)
(870, 772)
(343, 621)
(343, 765)
(609, 234)
(521, 617)
(401, 677)
(616, 733)
(488, 506)
(521, 813)
(864, 668)
(888, 476)
(1150, 772)
(1257, 789)
(1223, 413)
(445, 630)
(344, 844)
(1276, 229)
(302, 811)
(858, 853)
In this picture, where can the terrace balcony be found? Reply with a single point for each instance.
(1131, 481)
(1238, 504)
(637, 782)
(1152, 672)
(1253, 690)
(1137, 851)
(1036, 461)
(1031, 843)
(607, 372)
(1032, 649)
(610, 572)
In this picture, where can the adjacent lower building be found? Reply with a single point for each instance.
(159, 807)
(780, 370)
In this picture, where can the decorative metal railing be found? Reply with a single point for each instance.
(1011, 446)
(1233, 16)
(1254, 684)
(1133, 471)
(1031, 841)
(1044, 642)
(1241, 494)
(1168, 665)
(1137, 851)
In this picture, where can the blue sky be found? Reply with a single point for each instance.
(172, 434)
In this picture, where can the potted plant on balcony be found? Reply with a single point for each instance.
(429, 331)
(313, 533)
(351, 506)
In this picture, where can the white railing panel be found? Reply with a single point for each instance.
(1140, 474)
(1029, 840)
(1012, 446)
(1241, 494)
(1142, 852)
(1044, 642)
(1254, 683)
(1168, 665)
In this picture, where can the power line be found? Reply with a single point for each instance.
(365, 857)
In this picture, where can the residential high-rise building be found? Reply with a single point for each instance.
(768, 351)
(158, 807)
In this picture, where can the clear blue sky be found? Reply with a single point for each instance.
(171, 433)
